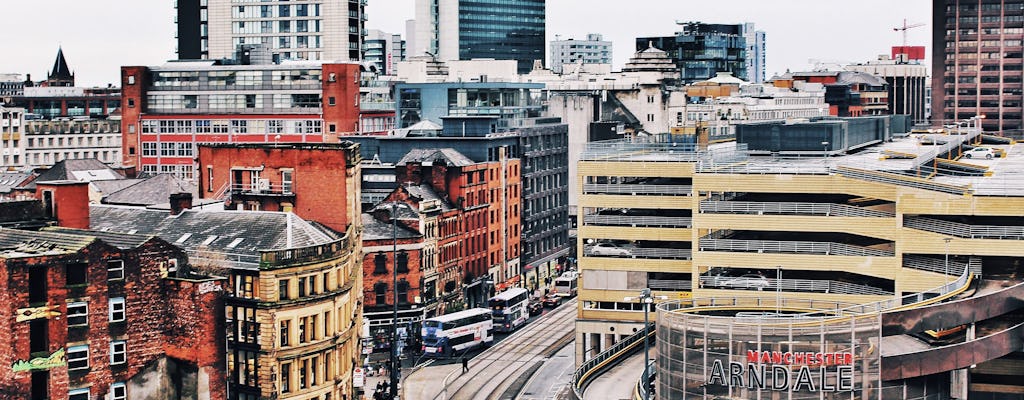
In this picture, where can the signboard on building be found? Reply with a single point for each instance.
(786, 371)
(358, 377)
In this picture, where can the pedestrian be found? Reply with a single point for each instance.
(380, 385)
(465, 364)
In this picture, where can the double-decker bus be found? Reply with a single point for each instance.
(565, 285)
(508, 309)
(450, 333)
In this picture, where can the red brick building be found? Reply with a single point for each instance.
(487, 196)
(168, 110)
(381, 236)
(96, 315)
(314, 181)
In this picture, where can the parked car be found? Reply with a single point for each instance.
(748, 281)
(715, 277)
(980, 152)
(535, 306)
(609, 249)
(551, 300)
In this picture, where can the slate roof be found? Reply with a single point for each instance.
(405, 211)
(111, 186)
(155, 190)
(122, 241)
(426, 192)
(82, 170)
(11, 180)
(19, 243)
(375, 229)
(448, 155)
(243, 233)
(60, 67)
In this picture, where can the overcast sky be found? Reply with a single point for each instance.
(98, 36)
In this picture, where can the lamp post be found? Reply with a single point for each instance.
(947, 240)
(778, 289)
(824, 150)
(394, 315)
(646, 298)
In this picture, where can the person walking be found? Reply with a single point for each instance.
(465, 364)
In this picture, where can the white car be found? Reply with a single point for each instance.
(748, 281)
(980, 152)
(609, 249)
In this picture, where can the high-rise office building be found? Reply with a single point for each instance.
(702, 50)
(498, 29)
(331, 30)
(383, 50)
(977, 63)
(593, 50)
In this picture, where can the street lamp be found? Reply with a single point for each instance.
(395, 368)
(646, 299)
(824, 150)
(778, 289)
(947, 240)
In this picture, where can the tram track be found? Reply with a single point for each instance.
(506, 361)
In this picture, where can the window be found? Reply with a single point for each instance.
(78, 314)
(78, 394)
(118, 391)
(117, 309)
(403, 292)
(118, 352)
(302, 287)
(285, 329)
(115, 270)
(131, 79)
(286, 377)
(302, 374)
(330, 101)
(286, 181)
(75, 274)
(380, 264)
(380, 291)
(282, 289)
(78, 357)
(403, 262)
(302, 329)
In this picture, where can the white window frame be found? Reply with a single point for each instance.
(115, 266)
(118, 391)
(85, 314)
(76, 392)
(117, 306)
(115, 352)
(73, 350)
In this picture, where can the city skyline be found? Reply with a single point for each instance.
(861, 33)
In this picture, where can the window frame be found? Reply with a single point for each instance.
(85, 314)
(114, 387)
(74, 350)
(114, 353)
(112, 312)
(119, 276)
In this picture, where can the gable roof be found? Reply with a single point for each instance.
(81, 170)
(11, 180)
(155, 190)
(449, 155)
(19, 243)
(122, 241)
(375, 229)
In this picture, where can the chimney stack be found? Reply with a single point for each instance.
(180, 202)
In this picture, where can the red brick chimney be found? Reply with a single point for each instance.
(180, 202)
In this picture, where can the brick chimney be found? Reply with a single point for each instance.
(180, 202)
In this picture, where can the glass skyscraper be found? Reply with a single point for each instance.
(467, 29)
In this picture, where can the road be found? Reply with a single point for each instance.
(500, 371)
(619, 382)
(551, 381)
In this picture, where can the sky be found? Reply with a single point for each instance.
(99, 36)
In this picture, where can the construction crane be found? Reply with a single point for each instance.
(904, 30)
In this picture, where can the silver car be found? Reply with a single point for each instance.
(609, 249)
(748, 281)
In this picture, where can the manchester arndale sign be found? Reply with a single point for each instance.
(786, 371)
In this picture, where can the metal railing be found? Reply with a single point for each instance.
(377, 105)
(825, 209)
(649, 253)
(799, 285)
(262, 188)
(204, 256)
(900, 180)
(613, 355)
(607, 188)
(636, 221)
(934, 265)
(964, 230)
(798, 247)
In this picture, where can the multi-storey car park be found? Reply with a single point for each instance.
(911, 247)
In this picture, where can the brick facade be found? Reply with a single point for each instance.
(163, 318)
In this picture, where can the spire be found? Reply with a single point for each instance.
(61, 72)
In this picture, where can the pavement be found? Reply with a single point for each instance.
(619, 382)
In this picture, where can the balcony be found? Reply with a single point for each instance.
(262, 188)
(377, 106)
